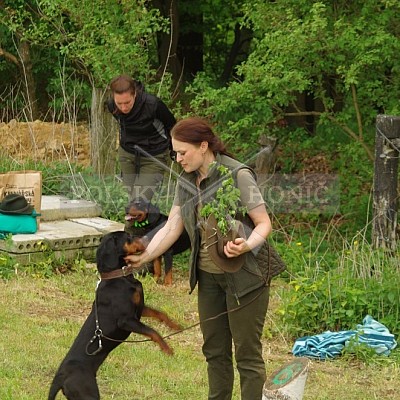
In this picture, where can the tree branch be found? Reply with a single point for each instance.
(344, 127)
(10, 57)
(358, 114)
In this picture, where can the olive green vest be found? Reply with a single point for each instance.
(250, 276)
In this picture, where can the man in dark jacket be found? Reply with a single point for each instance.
(144, 139)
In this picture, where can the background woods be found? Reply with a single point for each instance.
(326, 63)
(294, 87)
(311, 73)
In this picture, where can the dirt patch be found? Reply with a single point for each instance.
(47, 142)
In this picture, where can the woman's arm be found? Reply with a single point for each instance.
(252, 199)
(162, 240)
(164, 114)
(262, 228)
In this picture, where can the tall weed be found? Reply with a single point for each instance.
(360, 281)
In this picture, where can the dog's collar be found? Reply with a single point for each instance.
(137, 224)
(117, 273)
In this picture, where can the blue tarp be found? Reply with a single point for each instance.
(330, 344)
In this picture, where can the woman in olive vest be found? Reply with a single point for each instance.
(233, 290)
(144, 136)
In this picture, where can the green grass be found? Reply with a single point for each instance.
(39, 319)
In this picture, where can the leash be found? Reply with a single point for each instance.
(98, 333)
(193, 325)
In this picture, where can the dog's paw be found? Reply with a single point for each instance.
(175, 326)
(167, 350)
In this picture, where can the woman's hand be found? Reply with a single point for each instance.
(135, 260)
(236, 247)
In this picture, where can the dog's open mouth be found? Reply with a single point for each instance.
(129, 217)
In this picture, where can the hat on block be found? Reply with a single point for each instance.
(15, 204)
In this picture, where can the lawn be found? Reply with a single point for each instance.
(39, 318)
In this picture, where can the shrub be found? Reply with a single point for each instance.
(365, 281)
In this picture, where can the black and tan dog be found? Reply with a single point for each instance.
(116, 312)
(142, 221)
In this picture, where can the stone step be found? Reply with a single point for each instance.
(55, 208)
(68, 228)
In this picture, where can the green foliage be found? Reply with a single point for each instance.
(362, 281)
(343, 55)
(367, 355)
(356, 178)
(225, 206)
(74, 46)
(104, 37)
(54, 175)
(7, 265)
(354, 43)
(345, 161)
(70, 95)
(240, 113)
(49, 265)
(107, 192)
(222, 31)
(361, 351)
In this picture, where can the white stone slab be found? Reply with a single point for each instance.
(101, 224)
(55, 208)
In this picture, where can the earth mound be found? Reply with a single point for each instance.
(46, 141)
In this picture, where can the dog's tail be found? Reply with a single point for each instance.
(54, 389)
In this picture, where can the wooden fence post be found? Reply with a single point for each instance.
(103, 135)
(385, 182)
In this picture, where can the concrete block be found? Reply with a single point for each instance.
(88, 253)
(22, 244)
(57, 235)
(69, 228)
(56, 208)
(69, 235)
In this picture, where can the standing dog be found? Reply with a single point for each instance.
(116, 312)
(142, 221)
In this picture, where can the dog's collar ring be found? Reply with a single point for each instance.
(98, 333)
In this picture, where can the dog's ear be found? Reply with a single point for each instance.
(110, 253)
(136, 245)
(153, 209)
(139, 204)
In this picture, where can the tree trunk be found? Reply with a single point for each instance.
(29, 79)
(168, 42)
(191, 46)
(242, 39)
(385, 182)
(103, 133)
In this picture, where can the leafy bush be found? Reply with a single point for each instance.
(107, 192)
(7, 266)
(356, 177)
(54, 175)
(365, 281)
